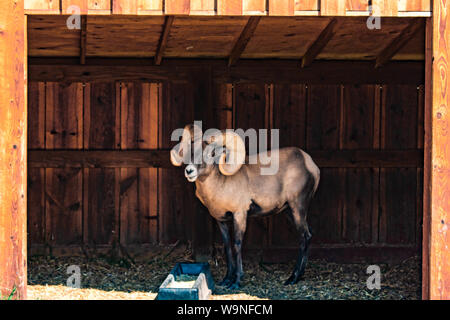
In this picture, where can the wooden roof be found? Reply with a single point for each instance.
(233, 7)
(230, 37)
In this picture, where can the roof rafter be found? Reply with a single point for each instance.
(399, 42)
(163, 39)
(243, 39)
(322, 40)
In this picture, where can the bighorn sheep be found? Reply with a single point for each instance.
(235, 190)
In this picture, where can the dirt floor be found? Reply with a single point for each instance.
(110, 279)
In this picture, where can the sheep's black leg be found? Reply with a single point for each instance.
(299, 218)
(240, 224)
(302, 259)
(229, 278)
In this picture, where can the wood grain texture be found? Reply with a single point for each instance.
(42, 6)
(427, 186)
(13, 154)
(320, 43)
(177, 7)
(68, 6)
(150, 7)
(399, 42)
(101, 120)
(224, 7)
(163, 40)
(414, 5)
(229, 7)
(197, 36)
(357, 5)
(125, 7)
(332, 7)
(281, 7)
(102, 7)
(204, 37)
(36, 176)
(385, 8)
(177, 212)
(254, 7)
(351, 72)
(63, 187)
(243, 40)
(440, 163)
(250, 109)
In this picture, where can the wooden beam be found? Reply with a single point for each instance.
(243, 39)
(348, 72)
(83, 39)
(13, 151)
(440, 156)
(399, 42)
(163, 39)
(89, 73)
(160, 158)
(322, 40)
(426, 217)
(246, 71)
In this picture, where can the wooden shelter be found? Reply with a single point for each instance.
(87, 113)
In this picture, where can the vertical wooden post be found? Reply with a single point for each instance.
(202, 228)
(439, 268)
(13, 149)
(427, 160)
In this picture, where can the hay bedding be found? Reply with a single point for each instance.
(107, 279)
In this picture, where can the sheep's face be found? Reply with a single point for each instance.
(201, 154)
(204, 162)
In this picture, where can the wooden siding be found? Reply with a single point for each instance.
(232, 7)
(373, 203)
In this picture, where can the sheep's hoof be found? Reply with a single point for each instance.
(292, 280)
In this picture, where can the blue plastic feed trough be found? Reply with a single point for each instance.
(187, 281)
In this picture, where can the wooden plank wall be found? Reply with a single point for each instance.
(354, 206)
(111, 207)
(228, 7)
(105, 207)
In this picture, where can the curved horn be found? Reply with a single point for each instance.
(180, 152)
(231, 161)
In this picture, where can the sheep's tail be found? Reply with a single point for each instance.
(313, 169)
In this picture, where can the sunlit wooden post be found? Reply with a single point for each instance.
(437, 222)
(13, 150)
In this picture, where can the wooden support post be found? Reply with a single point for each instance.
(399, 42)
(202, 230)
(13, 151)
(439, 270)
(325, 36)
(428, 103)
(163, 40)
(244, 38)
